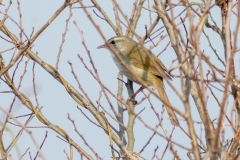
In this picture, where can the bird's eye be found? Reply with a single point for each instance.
(112, 42)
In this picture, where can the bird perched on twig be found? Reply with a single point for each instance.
(148, 67)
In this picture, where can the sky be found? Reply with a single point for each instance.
(57, 103)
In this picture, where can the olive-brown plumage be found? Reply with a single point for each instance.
(134, 55)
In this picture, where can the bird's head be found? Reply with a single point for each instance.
(121, 44)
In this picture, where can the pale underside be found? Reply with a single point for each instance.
(146, 76)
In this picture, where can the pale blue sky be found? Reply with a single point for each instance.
(55, 100)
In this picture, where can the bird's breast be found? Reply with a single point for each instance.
(144, 75)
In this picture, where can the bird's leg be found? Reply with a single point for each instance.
(133, 96)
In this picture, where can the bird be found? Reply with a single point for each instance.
(135, 57)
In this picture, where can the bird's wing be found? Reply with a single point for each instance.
(143, 58)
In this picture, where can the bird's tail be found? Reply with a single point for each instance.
(163, 95)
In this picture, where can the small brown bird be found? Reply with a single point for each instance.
(133, 54)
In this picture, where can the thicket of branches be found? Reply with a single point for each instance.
(201, 74)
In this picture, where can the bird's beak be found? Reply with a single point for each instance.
(102, 46)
